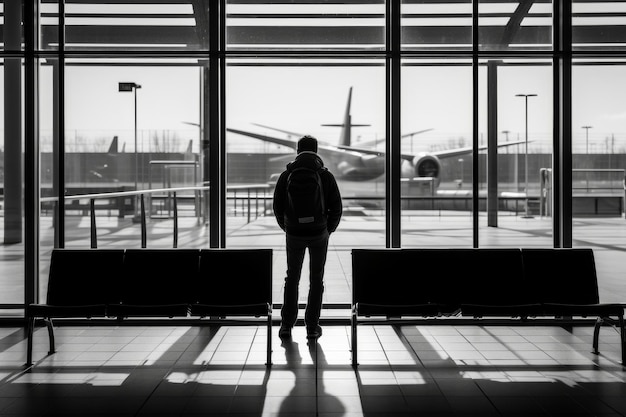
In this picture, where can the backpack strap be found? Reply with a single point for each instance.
(319, 173)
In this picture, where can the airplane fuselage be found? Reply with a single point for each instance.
(353, 168)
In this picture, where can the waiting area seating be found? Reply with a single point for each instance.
(520, 284)
(214, 285)
(224, 286)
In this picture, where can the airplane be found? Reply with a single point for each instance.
(365, 163)
(106, 166)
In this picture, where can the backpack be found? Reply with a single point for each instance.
(306, 207)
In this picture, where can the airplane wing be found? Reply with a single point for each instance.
(278, 141)
(451, 153)
(287, 132)
(448, 153)
(294, 144)
(375, 142)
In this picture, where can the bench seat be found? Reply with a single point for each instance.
(521, 284)
(208, 285)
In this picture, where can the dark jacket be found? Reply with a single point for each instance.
(334, 207)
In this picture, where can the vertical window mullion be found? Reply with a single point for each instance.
(393, 161)
(222, 119)
(31, 155)
(215, 138)
(59, 145)
(562, 131)
(475, 132)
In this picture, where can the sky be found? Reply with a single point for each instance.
(300, 99)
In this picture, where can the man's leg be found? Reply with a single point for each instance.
(295, 255)
(318, 249)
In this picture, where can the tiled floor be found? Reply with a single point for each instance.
(427, 370)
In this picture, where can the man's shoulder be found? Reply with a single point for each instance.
(326, 172)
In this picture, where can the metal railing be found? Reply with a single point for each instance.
(238, 194)
(139, 217)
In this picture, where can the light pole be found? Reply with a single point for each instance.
(526, 215)
(127, 87)
(587, 138)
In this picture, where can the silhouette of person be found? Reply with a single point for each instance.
(298, 239)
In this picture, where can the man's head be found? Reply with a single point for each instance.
(307, 143)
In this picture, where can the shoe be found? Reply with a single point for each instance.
(314, 333)
(284, 332)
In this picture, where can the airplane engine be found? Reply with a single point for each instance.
(425, 165)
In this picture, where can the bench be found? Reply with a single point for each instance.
(409, 285)
(214, 286)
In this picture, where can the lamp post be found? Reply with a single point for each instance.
(526, 215)
(127, 87)
(587, 138)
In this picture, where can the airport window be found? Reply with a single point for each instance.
(436, 26)
(12, 183)
(49, 24)
(137, 127)
(516, 152)
(447, 118)
(437, 123)
(340, 102)
(49, 166)
(135, 26)
(306, 26)
(598, 148)
(598, 26)
(515, 26)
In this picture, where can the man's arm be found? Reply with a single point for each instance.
(278, 204)
(334, 205)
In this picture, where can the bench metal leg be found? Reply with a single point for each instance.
(596, 334)
(269, 337)
(619, 327)
(30, 329)
(354, 349)
(620, 322)
(50, 336)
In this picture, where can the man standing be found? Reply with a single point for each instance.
(307, 205)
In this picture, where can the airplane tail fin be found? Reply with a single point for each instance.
(113, 146)
(189, 147)
(345, 137)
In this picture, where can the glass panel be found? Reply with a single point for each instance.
(49, 25)
(300, 24)
(516, 210)
(433, 25)
(515, 25)
(137, 25)
(270, 105)
(12, 147)
(133, 125)
(599, 25)
(599, 159)
(504, 25)
(48, 151)
(436, 149)
(12, 37)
